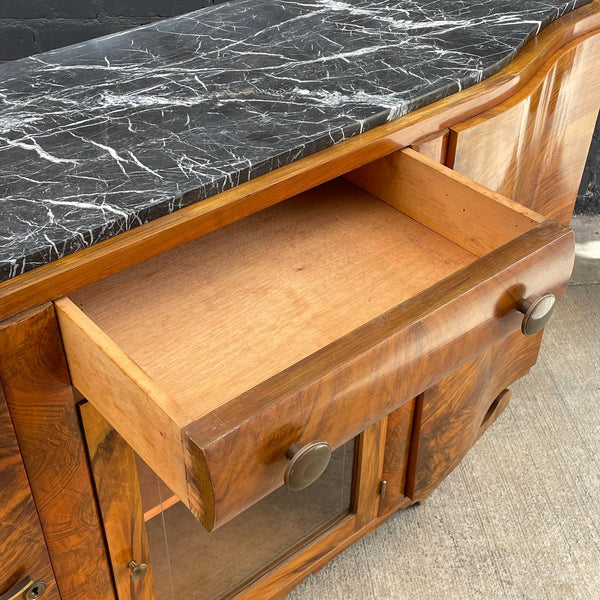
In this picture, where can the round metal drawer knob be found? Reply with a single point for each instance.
(307, 464)
(537, 313)
(138, 571)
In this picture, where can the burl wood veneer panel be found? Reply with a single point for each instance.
(22, 544)
(35, 378)
(459, 408)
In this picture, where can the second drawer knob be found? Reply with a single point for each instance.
(307, 464)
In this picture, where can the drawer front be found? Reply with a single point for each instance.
(238, 452)
(224, 461)
(22, 549)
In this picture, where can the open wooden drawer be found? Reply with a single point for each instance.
(307, 321)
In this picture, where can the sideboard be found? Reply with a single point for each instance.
(215, 400)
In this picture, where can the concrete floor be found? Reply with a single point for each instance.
(520, 517)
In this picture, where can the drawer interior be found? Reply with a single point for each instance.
(201, 325)
(215, 317)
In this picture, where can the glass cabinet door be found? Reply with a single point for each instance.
(189, 562)
(159, 551)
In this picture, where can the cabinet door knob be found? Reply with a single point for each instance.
(27, 589)
(537, 313)
(138, 571)
(307, 464)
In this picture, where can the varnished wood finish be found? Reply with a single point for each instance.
(533, 146)
(236, 454)
(63, 276)
(371, 448)
(400, 427)
(22, 545)
(448, 203)
(456, 411)
(434, 146)
(114, 468)
(34, 375)
(152, 385)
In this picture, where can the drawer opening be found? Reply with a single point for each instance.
(162, 349)
(213, 318)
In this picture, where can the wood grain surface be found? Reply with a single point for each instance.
(113, 466)
(434, 146)
(456, 411)
(212, 319)
(400, 434)
(35, 378)
(475, 218)
(22, 544)
(313, 269)
(533, 147)
(72, 272)
(236, 453)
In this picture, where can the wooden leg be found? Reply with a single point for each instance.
(115, 475)
(35, 379)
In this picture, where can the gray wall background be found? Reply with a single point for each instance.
(31, 26)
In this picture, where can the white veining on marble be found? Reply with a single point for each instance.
(106, 135)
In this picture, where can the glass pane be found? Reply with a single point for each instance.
(189, 562)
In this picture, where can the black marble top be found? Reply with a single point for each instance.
(101, 137)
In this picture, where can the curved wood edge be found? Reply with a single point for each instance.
(58, 278)
(389, 360)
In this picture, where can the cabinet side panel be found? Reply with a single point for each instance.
(533, 147)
